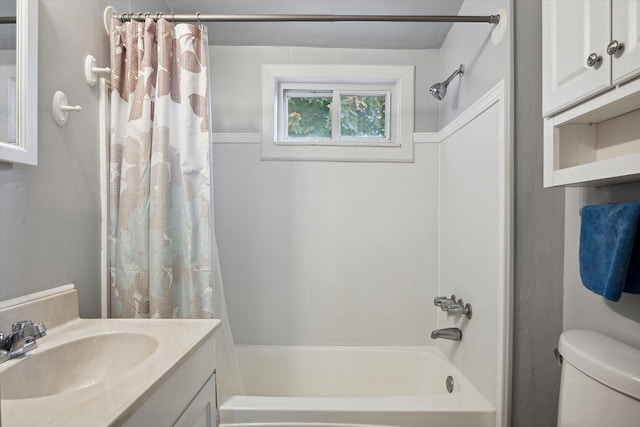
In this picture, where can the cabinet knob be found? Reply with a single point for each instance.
(593, 59)
(614, 47)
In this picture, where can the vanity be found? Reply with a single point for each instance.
(107, 372)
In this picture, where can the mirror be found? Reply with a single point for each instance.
(19, 81)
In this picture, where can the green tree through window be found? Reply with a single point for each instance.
(309, 117)
(362, 116)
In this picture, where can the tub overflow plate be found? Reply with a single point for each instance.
(449, 384)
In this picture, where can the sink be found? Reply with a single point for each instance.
(75, 364)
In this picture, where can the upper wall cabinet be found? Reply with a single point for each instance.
(591, 96)
(625, 40)
(574, 39)
(588, 46)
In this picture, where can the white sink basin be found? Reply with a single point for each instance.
(101, 372)
(75, 364)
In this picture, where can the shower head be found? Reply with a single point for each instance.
(439, 90)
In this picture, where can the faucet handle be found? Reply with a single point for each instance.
(443, 302)
(437, 301)
(39, 330)
(27, 327)
(460, 308)
(21, 324)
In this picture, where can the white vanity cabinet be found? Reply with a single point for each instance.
(580, 59)
(202, 411)
(590, 91)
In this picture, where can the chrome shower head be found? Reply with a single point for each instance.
(439, 90)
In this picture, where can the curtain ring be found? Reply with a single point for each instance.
(198, 18)
(173, 18)
(159, 15)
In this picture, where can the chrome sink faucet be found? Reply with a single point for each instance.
(21, 340)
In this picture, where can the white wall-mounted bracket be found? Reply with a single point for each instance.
(109, 11)
(497, 34)
(91, 70)
(60, 108)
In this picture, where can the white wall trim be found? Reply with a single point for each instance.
(494, 95)
(426, 137)
(498, 95)
(237, 138)
(256, 137)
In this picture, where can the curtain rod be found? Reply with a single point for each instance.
(200, 17)
(7, 19)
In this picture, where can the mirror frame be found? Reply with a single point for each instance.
(25, 149)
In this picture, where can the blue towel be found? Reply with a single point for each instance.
(610, 249)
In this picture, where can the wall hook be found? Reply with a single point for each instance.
(91, 70)
(60, 108)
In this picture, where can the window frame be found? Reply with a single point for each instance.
(336, 91)
(350, 79)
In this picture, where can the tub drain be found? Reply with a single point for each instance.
(449, 384)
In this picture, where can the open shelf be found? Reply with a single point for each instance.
(597, 142)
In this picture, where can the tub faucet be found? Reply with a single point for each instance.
(22, 339)
(453, 334)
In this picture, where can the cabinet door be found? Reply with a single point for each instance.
(626, 30)
(201, 412)
(571, 31)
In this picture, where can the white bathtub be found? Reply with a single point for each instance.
(296, 386)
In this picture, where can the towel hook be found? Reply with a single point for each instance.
(91, 70)
(60, 109)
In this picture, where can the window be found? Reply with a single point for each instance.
(337, 112)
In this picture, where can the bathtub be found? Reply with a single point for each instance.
(305, 386)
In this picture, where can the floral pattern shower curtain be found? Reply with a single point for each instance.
(159, 196)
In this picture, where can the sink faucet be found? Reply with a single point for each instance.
(22, 339)
(454, 334)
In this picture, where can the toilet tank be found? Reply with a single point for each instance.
(600, 383)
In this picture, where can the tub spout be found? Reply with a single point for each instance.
(454, 334)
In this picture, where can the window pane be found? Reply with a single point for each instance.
(362, 116)
(309, 117)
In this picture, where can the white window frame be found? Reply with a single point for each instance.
(395, 81)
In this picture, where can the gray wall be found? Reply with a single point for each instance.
(50, 213)
(539, 231)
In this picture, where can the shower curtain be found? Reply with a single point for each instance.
(163, 259)
(159, 163)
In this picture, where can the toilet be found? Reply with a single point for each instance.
(600, 382)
